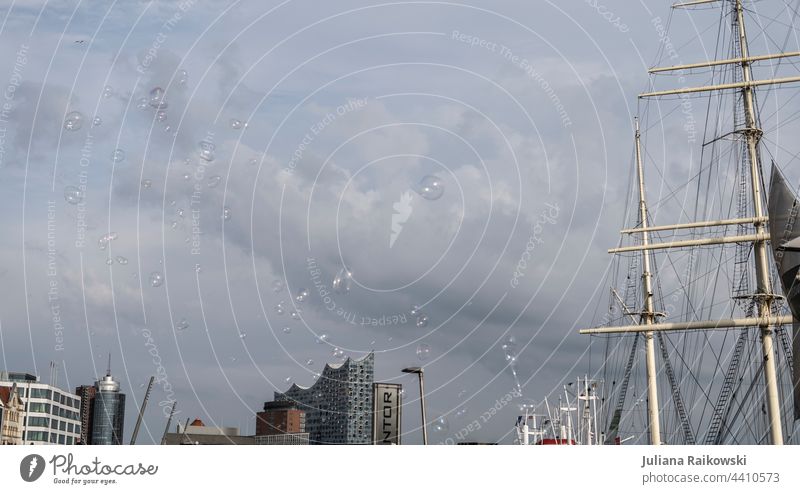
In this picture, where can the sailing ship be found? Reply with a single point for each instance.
(698, 299)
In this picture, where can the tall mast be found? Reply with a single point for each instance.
(648, 313)
(763, 295)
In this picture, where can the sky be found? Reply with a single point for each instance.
(228, 156)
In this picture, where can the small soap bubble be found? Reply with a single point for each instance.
(236, 124)
(287, 330)
(422, 321)
(157, 100)
(96, 121)
(423, 351)
(226, 213)
(213, 181)
(72, 194)
(430, 187)
(122, 260)
(207, 150)
(156, 279)
(342, 282)
(277, 286)
(280, 309)
(118, 155)
(147, 183)
(323, 338)
(73, 120)
(302, 295)
(108, 92)
(182, 77)
(182, 325)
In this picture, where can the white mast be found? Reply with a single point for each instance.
(648, 311)
(763, 295)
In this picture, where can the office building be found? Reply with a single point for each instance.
(52, 415)
(280, 418)
(108, 416)
(338, 406)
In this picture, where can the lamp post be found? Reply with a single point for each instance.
(419, 373)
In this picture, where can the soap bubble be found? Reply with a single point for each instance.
(141, 103)
(342, 282)
(156, 279)
(96, 121)
(422, 321)
(302, 295)
(296, 314)
(242, 335)
(73, 120)
(415, 310)
(157, 98)
(213, 181)
(430, 187)
(440, 424)
(287, 330)
(207, 150)
(236, 124)
(147, 183)
(161, 115)
(323, 338)
(337, 353)
(226, 213)
(108, 92)
(253, 161)
(182, 77)
(277, 286)
(309, 362)
(118, 155)
(122, 260)
(423, 351)
(288, 379)
(103, 241)
(182, 325)
(72, 194)
(280, 308)
(110, 261)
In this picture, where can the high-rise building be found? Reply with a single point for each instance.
(52, 415)
(86, 394)
(338, 406)
(108, 416)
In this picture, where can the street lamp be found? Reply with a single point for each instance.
(419, 373)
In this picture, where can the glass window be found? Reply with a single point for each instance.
(38, 422)
(53, 438)
(55, 424)
(70, 427)
(57, 397)
(62, 439)
(62, 426)
(40, 393)
(36, 436)
(69, 439)
(56, 409)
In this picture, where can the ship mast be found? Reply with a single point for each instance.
(763, 297)
(648, 314)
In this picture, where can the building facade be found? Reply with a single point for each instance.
(52, 415)
(12, 415)
(280, 417)
(108, 416)
(86, 393)
(338, 406)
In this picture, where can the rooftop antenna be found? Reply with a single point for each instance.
(108, 372)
